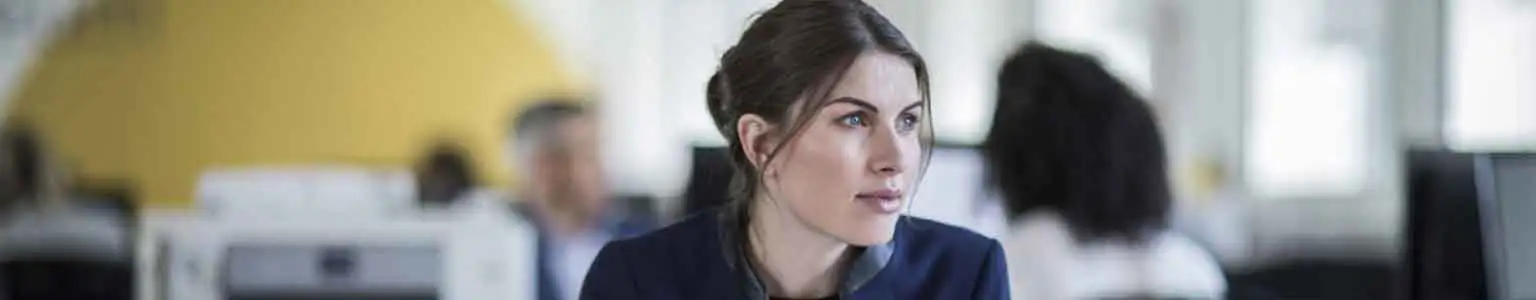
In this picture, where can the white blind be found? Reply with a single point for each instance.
(1116, 31)
(1491, 68)
(1306, 133)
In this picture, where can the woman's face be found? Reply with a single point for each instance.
(849, 173)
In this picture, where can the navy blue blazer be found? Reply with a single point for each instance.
(699, 259)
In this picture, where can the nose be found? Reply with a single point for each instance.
(886, 155)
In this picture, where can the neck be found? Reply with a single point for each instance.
(560, 222)
(792, 259)
(564, 223)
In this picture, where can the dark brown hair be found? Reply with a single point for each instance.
(27, 166)
(798, 49)
(449, 163)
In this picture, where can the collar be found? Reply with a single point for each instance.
(610, 223)
(733, 226)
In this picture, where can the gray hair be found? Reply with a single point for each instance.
(534, 126)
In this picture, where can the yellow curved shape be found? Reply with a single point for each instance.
(155, 91)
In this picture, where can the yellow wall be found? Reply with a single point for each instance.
(191, 84)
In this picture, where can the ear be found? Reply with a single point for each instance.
(754, 132)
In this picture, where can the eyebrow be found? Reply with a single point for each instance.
(870, 107)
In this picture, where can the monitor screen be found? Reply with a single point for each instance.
(954, 191)
(1508, 183)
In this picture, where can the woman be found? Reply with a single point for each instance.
(1078, 158)
(823, 105)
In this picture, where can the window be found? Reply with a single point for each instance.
(1491, 73)
(1114, 30)
(1306, 133)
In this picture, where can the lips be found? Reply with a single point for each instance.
(882, 201)
(881, 194)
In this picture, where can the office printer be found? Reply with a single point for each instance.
(330, 233)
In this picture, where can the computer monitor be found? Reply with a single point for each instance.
(954, 191)
(1507, 185)
(1443, 239)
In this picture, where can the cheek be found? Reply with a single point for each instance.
(586, 173)
(820, 172)
(912, 161)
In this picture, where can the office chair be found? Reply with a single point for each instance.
(709, 182)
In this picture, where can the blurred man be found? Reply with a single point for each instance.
(562, 191)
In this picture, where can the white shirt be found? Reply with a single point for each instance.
(1044, 262)
(572, 257)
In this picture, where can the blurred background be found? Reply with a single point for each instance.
(1295, 127)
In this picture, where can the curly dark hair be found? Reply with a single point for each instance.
(1070, 137)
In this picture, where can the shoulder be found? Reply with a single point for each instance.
(947, 257)
(942, 248)
(1042, 257)
(924, 236)
(695, 229)
(679, 245)
(686, 238)
(1196, 270)
(1042, 239)
(1041, 226)
(660, 255)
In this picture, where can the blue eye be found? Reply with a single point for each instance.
(908, 122)
(853, 120)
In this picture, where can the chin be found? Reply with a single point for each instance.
(871, 232)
